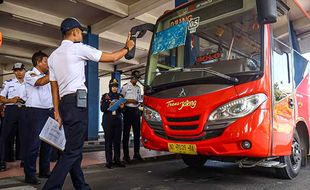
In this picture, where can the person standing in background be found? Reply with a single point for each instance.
(13, 95)
(39, 108)
(132, 93)
(112, 125)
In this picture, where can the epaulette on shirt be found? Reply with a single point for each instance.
(5, 83)
(32, 74)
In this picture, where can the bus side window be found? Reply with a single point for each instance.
(282, 85)
(281, 30)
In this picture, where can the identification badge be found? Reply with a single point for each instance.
(113, 112)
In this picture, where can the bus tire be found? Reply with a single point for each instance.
(194, 161)
(293, 162)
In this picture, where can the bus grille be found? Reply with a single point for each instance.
(204, 136)
(183, 127)
(181, 123)
(183, 119)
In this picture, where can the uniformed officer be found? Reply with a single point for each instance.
(132, 93)
(13, 95)
(67, 78)
(38, 108)
(112, 125)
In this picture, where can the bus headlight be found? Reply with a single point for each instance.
(238, 108)
(151, 115)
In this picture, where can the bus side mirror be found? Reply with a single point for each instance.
(267, 11)
(138, 32)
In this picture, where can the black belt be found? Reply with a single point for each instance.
(132, 107)
(69, 98)
(18, 106)
(40, 109)
(69, 95)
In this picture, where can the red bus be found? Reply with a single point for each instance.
(224, 82)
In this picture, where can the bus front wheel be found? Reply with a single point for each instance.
(293, 162)
(194, 161)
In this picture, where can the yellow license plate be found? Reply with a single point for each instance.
(182, 148)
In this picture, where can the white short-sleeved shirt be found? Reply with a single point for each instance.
(130, 91)
(13, 88)
(67, 65)
(38, 96)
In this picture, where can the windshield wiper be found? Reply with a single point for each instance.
(147, 87)
(224, 76)
(176, 69)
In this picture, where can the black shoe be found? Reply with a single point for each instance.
(46, 175)
(127, 159)
(22, 163)
(119, 164)
(10, 160)
(138, 157)
(2, 166)
(32, 181)
(108, 165)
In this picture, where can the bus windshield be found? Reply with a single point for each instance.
(221, 36)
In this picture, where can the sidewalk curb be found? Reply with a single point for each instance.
(156, 158)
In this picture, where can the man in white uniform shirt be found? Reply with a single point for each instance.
(67, 76)
(132, 93)
(13, 95)
(38, 108)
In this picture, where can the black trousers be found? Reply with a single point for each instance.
(74, 121)
(14, 120)
(131, 118)
(1, 123)
(12, 139)
(36, 119)
(112, 126)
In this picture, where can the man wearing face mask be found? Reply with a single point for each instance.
(13, 95)
(112, 125)
(39, 108)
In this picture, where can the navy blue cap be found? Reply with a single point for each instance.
(18, 66)
(135, 74)
(70, 23)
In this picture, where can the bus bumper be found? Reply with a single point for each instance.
(254, 128)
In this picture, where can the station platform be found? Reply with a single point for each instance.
(89, 159)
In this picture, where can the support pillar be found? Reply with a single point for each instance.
(117, 75)
(92, 83)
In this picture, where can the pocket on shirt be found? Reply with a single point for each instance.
(11, 92)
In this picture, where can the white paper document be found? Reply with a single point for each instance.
(52, 135)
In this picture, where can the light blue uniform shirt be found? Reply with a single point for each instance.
(130, 91)
(67, 65)
(38, 96)
(13, 88)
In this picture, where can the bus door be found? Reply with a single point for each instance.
(282, 88)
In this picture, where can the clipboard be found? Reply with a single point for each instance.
(52, 135)
(116, 105)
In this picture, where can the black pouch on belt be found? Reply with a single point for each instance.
(81, 96)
